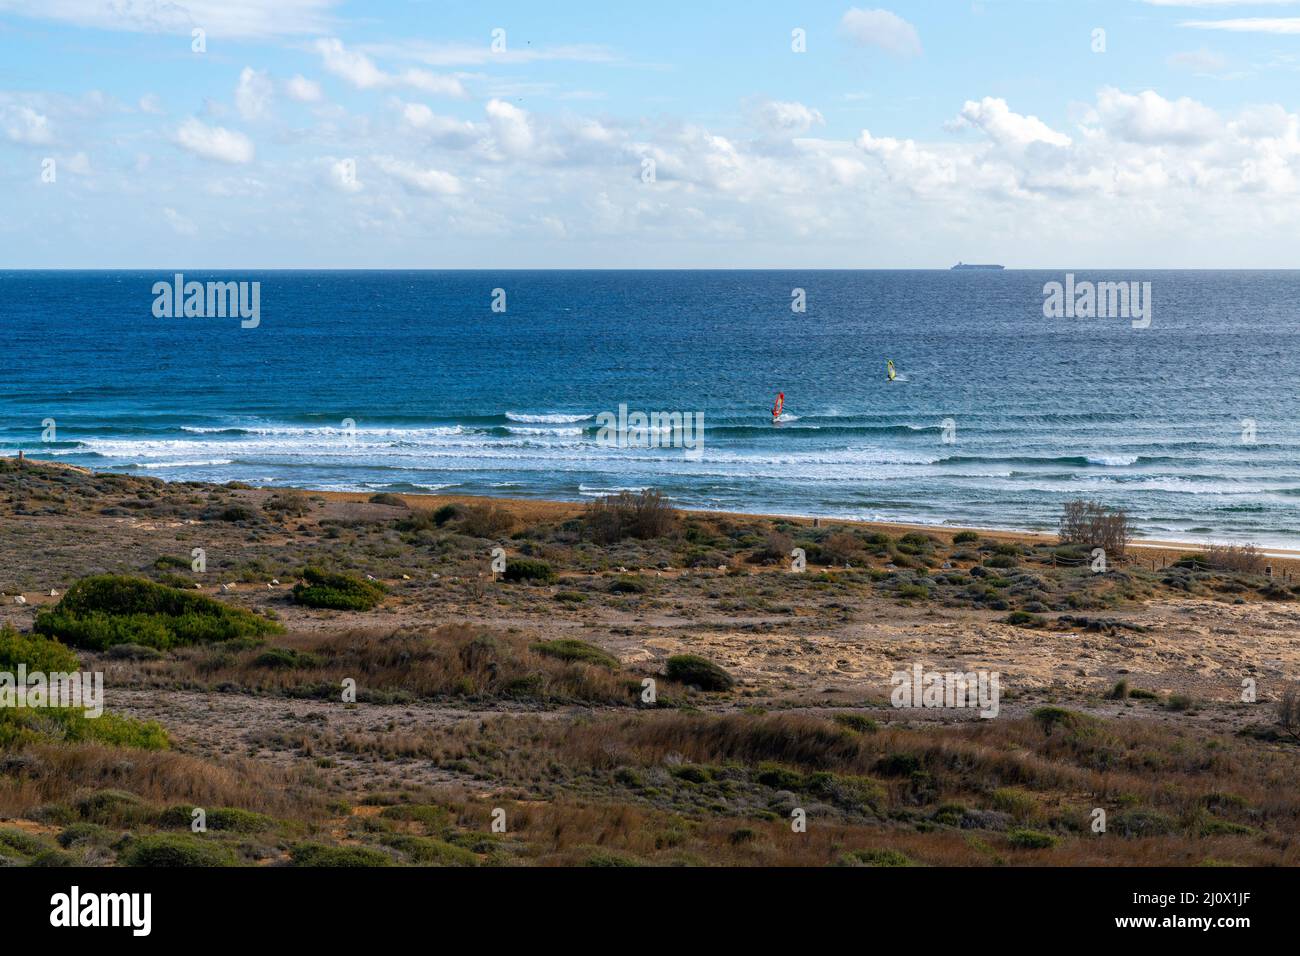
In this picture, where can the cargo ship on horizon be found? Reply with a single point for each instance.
(963, 266)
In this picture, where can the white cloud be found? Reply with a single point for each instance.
(510, 127)
(1278, 25)
(443, 129)
(22, 124)
(995, 118)
(883, 29)
(149, 103)
(221, 18)
(214, 142)
(432, 181)
(783, 116)
(253, 94)
(1150, 118)
(360, 71)
(302, 89)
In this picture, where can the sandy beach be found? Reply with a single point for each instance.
(580, 619)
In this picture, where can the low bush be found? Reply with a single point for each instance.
(37, 652)
(1027, 839)
(644, 515)
(698, 672)
(103, 611)
(529, 569)
(173, 850)
(29, 725)
(571, 649)
(339, 592)
(318, 855)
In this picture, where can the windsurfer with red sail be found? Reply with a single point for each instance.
(778, 407)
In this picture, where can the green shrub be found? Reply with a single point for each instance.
(22, 842)
(570, 597)
(1023, 619)
(288, 503)
(857, 722)
(91, 833)
(780, 778)
(53, 857)
(19, 726)
(339, 592)
(446, 513)
(572, 649)
(234, 513)
(230, 819)
(318, 855)
(111, 807)
(38, 653)
(610, 858)
(388, 498)
(876, 858)
(965, 537)
(103, 611)
(529, 569)
(1031, 839)
(698, 671)
(172, 849)
(918, 591)
(277, 658)
(1070, 720)
(627, 585)
(1021, 804)
(429, 852)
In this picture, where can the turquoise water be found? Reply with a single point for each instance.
(446, 395)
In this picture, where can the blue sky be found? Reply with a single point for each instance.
(313, 133)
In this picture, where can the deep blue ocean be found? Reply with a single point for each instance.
(446, 395)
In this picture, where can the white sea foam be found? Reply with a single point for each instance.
(183, 464)
(552, 418)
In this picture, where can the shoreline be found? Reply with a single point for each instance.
(549, 507)
(1156, 548)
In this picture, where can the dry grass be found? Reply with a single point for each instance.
(42, 775)
(452, 660)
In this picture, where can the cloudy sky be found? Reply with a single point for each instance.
(426, 134)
